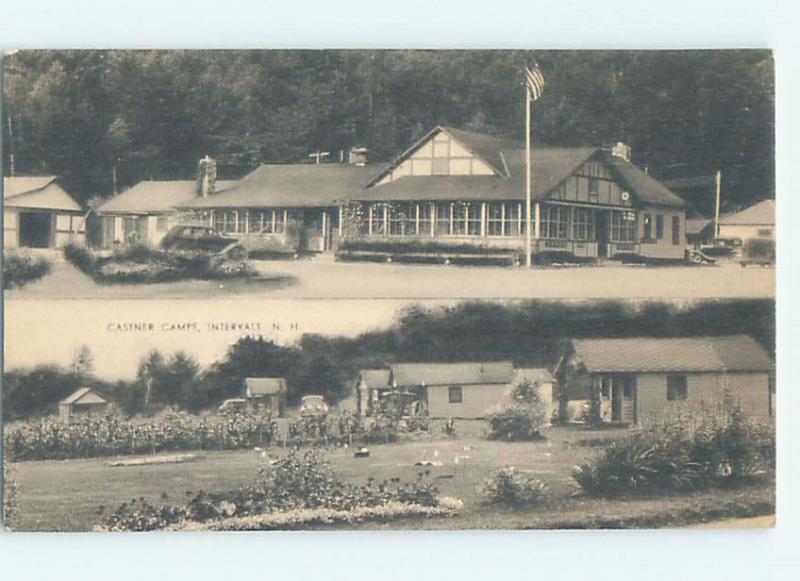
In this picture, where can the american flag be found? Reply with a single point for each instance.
(534, 80)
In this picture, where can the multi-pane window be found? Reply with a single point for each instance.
(594, 189)
(444, 218)
(455, 394)
(459, 219)
(218, 221)
(677, 388)
(494, 218)
(623, 226)
(582, 224)
(554, 221)
(424, 213)
(512, 219)
(402, 219)
(279, 221)
(474, 219)
(376, 220)
(676, 230)
(240, 221)
(410, 224)
(229, 221)
(659, 227)
(503, 218)
(256, 223)
(647, 226)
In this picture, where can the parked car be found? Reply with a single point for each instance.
(231, 406)
(759, 251)
(202, 239)
(312, 406)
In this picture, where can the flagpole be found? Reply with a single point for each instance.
(528, 258)
(718, 187)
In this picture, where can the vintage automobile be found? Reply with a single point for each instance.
(759, 251)
(194, 238)
(313, 406)
(232, 406)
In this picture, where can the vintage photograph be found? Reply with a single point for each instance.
(388, 289)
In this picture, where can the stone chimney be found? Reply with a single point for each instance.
(358, 156)
(621, 150)
(206, 177)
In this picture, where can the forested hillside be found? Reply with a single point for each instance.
(152, 114)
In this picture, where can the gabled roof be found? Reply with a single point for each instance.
(84, 395)
(375, 378)
(761, 214)
(415, 374)
(550, 167)
(38, 192)
(649, 354)
(291, 186)
(255, 386)
(697, 225)
(536, 375)
(156, 196)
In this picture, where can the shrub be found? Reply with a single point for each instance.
(522, 418)
(681, 453)
(9, 496)
(513, 488)
(81, 257)
(20, 269)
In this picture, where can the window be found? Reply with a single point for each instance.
(648, 228)
(455, 394)
(279, 221)
(494, 219)
(677, 388)
(659, 227)
(410, 224)
(443, 218)
(376, 220)
(161, 223)
(218, 221)
(425, 217)
(765, 232)
(256, 223)
(582, 224)
(512, 220)
(605, 387)
(396, 219)
(676, 229)
(130, 226)
(240, 221)
(459, 219)
(594, 189)
(623, 226)
(474, 219)
(554, 221)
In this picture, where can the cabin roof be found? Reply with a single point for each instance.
(291, 186)
(414, 374)
(375, 378)
(84, 395)
(156, 196)
(38, 192)
(760, 214)
(265, 385)
(649, 354)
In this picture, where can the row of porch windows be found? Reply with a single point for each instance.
(252, 221)
(500, 219)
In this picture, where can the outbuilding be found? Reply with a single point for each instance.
(83, 403)
(39, 213)
(646, 378)
(757, 221)
(267, 394)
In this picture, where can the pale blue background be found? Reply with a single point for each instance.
(486, 556)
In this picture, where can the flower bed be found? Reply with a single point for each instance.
(426, 252)
(140, 264)
(20, 269)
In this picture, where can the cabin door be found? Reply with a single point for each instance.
(623, 395)
(601, 218)
(314, 230)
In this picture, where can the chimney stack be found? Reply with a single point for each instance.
(206, 176)
(621, 150)
(358, 156)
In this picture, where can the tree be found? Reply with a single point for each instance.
(82, 365)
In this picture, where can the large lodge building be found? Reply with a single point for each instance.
(457, 188)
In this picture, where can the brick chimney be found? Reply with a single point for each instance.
(621, 150)
(206, 176)
(358, 156)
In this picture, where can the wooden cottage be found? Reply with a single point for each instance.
(463, 187)
(757, 221)
(83, 403)
(646, 378)
(266, 394)
(39, 213)
(285, 208)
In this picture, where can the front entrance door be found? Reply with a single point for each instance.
(602, 229)
(314, 231)
(623, 395)
(35, 229)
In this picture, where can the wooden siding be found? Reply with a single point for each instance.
(661, 247)
(576, 187)
(476, 400)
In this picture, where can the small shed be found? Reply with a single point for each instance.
(83, 402)
(757, 221)
(267, 394)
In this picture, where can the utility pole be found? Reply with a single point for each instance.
(718, 183)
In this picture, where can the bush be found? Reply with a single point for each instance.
(513, 488)
(20, 269)
(522, 418)
(81, 257)
(9, 496)
(680, 454)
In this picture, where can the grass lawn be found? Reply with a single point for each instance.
(64, 495)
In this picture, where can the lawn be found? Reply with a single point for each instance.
(65, 495)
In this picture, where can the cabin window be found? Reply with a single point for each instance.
(582, 224)
(677, 388)
(397, 217)
(594, 189)
(494, 219)
(676, 230)
(256, 223)
(512, 220)
(161, 223)
(218, 221)
(229, 222)
(554, 221)
(444, 218)
(765, 232)
(376, 215)
(425, 215)
(454, 394)
(459, 219)
(474, 219)
(623, 226)
(129, 226)
(647, 225)
(659, 227)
